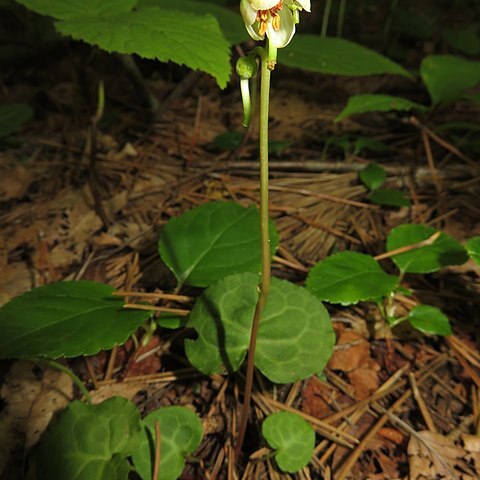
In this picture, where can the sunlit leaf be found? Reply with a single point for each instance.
(295, 338)
(213, 240)
(447, 77)
(91, 442)
(442, 252)
(428, 319)
(373, 175)
(473, 249)
(66, 319)
(292, 438)
(336, 56)
(348, 278)
(180, 434)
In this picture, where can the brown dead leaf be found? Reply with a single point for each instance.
(14, 182)
(432, 456)
(351, 352)
(364, 380)
(31, 401)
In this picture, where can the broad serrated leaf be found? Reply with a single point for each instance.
(213, 240)
(180, 434)
(167, 35)
(348, 278)
(376, 103)
(292, 437)
(66, 9)
(473, 249)
(447, 77)
(295, 337)
(336, 56)
(430, 258)
(428, 319)
(66, 319)
(230, 22)
(13, 116)
(389, 197)
(91, 442)
(372, 176)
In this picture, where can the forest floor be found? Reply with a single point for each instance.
(391, 405)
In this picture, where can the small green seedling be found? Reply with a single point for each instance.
(373, 177)
(292, 438)
(349, 277)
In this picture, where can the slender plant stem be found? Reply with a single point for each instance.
(64, 369)
(326, 18)
(341, 17)
(265, 245)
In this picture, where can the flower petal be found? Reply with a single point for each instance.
(248, 13)
(281, 38)
(263, 4)
(305, 4)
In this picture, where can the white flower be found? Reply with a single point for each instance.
(275, 18)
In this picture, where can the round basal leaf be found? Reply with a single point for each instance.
(428, 319)
(65, 9)
(447, 77)
(292, 437)
(230, 22)
(376, 103)
(389, 198)
(443, 252)
(372, 176)
(66, 319)
(212, 241)
(167, 35)
(228, 140)
(295, 337)
(349, 278)
(473, 249)
(180, 434)
(91, 442)
(13, 116)
(336, 56)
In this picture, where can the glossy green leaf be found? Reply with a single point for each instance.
(167, 35)
(213, 240)
(292, 437)
(430, 258)
(66, 9)
(376, 103)
(473, 249)
(91, 442)
(349, 278)
(230, 21)
(336, 56)
(66, 319)
(295, 338)
(13, 116)
(447, 77)
(428, 319)
(389, 197)
(180, 434)
(228, 140)
(373, 175)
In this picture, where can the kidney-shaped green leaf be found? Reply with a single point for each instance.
(66, 319)
(447, 77)
(91, 442)
(428, 319)
(348, 278)
(184, 38)
(292, 437)
(376, 103)
(13, 116)
(64, 9)
(295, 337)
(372, 176)
(389, 197)
(336, 56)
(180, 434)
(430, 258)
(473, 249)
(212, 241)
